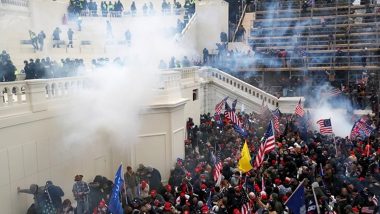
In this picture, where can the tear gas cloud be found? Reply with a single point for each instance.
(117, 94)
(336, 108)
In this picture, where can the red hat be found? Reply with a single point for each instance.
(204, 209)
(188, 174)
(203, 186)
(287, 180)
(355, 209)
(102, 203)
(257, 188)
(153, 193)
(168, 188)
(197, 169)
(167, 206)
(263, 195)
(277, 181)
(236, 211)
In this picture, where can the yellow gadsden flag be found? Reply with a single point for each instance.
(244, 164)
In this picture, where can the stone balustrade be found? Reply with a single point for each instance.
(189, 74)
(244, 89)
(35, 95)
(19, 3)
(61, 87)
(170, 79)
(12, 93)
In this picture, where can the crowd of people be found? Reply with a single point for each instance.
(47, 68)
(38, 40)
(176, 63)
(90, 8)
(340, 174)
(116, 8)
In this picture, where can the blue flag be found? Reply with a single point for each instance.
(241, 131)
(296, 202)
(115, 206)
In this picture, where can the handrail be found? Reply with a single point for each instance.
(191, 21)
(239, 23)
(188, 24)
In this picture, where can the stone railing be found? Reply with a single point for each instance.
(170, 79)
(13, 93)
(19, 3)
(189, 74)
(60, 87)
(35, 95)
(242, 88)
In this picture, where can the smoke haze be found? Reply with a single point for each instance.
(118, 93)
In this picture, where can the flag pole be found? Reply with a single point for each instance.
(315, 199)
(336, 148)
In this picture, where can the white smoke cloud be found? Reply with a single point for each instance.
(338, 110)
(109, 109)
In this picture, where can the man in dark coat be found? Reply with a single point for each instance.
(154, 177)
(70, 34)
(56, 37)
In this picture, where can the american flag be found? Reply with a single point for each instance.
(361, 128)
(276, 120)
(246, 206)
(218, 167)
(267, 146)
(299, 110)
(219, 106)
(325, 126)
(231, 115)
(331, 92)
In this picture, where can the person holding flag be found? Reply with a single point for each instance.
(219, 108)
(267, 146)
(296, 201)
(114, 205)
